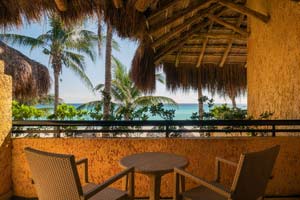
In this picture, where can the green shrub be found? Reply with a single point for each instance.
(25, 112)
(68, 112)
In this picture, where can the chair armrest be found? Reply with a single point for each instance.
(227, 161)
(86, 170)
(217, 166)
(203, 182)
(108, 182)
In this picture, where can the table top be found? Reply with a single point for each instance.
(154, 162)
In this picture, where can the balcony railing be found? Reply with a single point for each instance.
(174, 128)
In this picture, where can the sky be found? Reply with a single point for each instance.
(72, 90)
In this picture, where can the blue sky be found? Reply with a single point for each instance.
(71, 88)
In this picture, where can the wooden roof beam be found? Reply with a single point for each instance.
(62, 5)
(163, 9)
(178, 43)
(176, 31)
(222, 36)
(184, 26)
(142, 5)
(181, 15)
(118, 3)
(229, 46)
(205, 42)
(228, 25)
(245, 10)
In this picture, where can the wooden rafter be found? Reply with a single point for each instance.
(245, 10)
(205, 42)
(228, 25)
(62, 5)
(177, 60)
(180, 15)
(178, 43)
(163, 9)
(189, 22)
(118, 3)
(217, 47)
(208, 58)
(176, 31)
(226, 53)
(222, 36)
(230, 42)
(142, 5)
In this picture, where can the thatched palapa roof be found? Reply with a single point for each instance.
(30, 78)
(182, 34)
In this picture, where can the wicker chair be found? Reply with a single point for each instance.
(250, 181)
(56, 178)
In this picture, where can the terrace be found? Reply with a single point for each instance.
(184, 37)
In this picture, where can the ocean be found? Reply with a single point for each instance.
(182, 111)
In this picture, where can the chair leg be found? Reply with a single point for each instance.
(131, 185)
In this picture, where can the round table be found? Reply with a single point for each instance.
(154, 165)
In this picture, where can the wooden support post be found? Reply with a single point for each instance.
(245, 10)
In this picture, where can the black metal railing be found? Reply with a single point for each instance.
(168, 128)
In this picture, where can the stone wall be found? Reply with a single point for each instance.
(274, 60)
(5, 127)
(104, 155)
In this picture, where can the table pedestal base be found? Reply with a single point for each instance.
(154, 191)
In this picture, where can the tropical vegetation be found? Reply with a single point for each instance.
(128, 102)
(66, 46)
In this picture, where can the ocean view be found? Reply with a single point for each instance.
(182, 111)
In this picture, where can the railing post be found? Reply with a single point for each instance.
(167, 131)
(273, 131)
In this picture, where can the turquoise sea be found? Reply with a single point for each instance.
(182, 111)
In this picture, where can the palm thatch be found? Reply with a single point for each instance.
(30, 78)
(181, 34)
(230, 80)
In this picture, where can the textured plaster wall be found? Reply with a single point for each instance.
(104, 155)
(5, 126)
(274, 60)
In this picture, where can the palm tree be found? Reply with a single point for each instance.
(107, 84)
(65, 46)
(200, 102)
(126, 95)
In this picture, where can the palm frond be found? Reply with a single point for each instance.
(151, 100)
(90, 105)
(160, 78)
(76, 58)
(80, 73)
(99, 87)
(22, 40)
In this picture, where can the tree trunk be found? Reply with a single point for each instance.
(57, 66)
(200, 103)
(56, 90)
(107, 84)
(233, 101)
